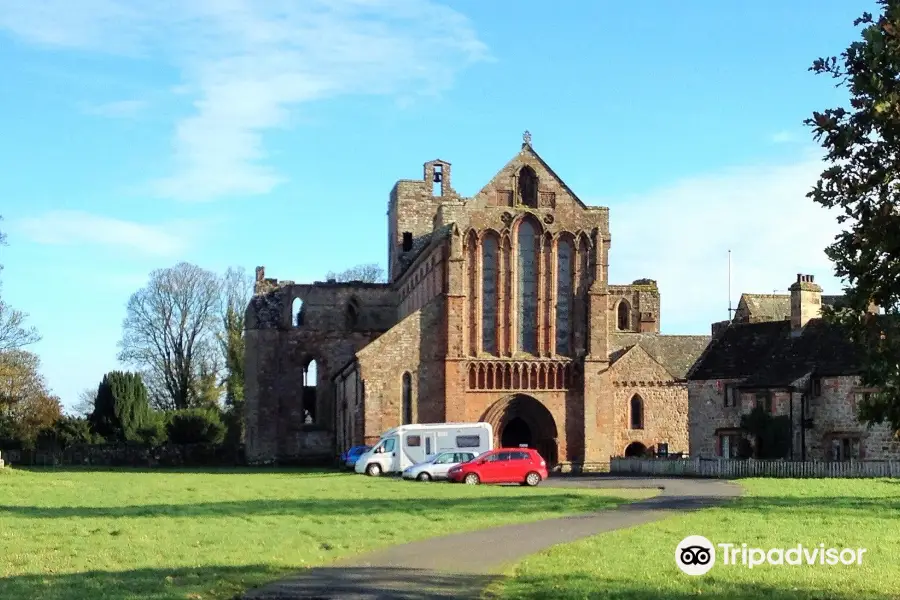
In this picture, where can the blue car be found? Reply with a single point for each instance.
(349, 458)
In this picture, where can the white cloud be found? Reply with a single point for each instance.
(680, 234)
(247, 63)
(118, 109)
(65, 227)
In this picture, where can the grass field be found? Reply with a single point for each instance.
(639, 564)
(112, 535)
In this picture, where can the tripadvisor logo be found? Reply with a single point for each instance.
(696, 555)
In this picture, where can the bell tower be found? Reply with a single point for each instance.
(412, 208)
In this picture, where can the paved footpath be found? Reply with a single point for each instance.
(463, 564)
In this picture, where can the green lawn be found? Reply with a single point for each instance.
(639, 564)
(117, 534)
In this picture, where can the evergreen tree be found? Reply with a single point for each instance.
(122, 407)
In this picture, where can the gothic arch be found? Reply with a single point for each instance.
(636, 412)
(528, 232)
(528, 187)
(522, 419)
(490, 284)
(351, 313)
(623, 315)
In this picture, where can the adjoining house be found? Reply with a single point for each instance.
(779, 354)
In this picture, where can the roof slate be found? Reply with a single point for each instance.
(768, 355)
(676, 353)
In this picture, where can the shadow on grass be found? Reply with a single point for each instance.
(579, 585)
(261, 470)
(325, 507)
(231, 582)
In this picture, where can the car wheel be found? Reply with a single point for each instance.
(472, 479)
(532, 479)
(373, 470)
(424, 477)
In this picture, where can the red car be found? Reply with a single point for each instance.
(503, 465)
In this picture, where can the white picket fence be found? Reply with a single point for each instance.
(733, 469)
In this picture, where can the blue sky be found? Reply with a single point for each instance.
(137, 134)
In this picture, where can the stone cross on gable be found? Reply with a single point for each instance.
(526, 137)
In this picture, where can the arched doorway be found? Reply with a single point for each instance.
(521, 420)
(635, 449)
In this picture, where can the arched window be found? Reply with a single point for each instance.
(297, 312)
(637, 412)
(489, 272)
(528, 187)
(352, 314)
(565, 255)
(472, 266)
(528, 286)
(407, 399)
(624, 316)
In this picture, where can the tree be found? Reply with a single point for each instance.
(237, 289)
(169, 333)
(86, 399)
(26, 405)
(370, 273)
(122, 407)
(863, 182)
(771, 434)
(13, 332)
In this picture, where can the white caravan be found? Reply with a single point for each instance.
(407, 445)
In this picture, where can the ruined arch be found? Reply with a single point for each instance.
(636, 412)
(635, 450)
(351, 313)
(297, 312)
(528, 187)
(623, 316)
(310, 395)
(522, 419)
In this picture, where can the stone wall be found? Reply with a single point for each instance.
(664, 401)
(335, 320)
(130, 455)
(416, 345)
(833, 413)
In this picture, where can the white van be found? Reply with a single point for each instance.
(407, 445)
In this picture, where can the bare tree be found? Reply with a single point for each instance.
(169, 333)
(86, 399)
(13, 332)
(370, 273)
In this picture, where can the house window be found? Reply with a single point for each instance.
(816, 387)
(637, 412)
(805, 407)
(845, 447)
(732, 394)
(764, 400)
(729, 444)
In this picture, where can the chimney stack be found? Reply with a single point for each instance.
(806, 301)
